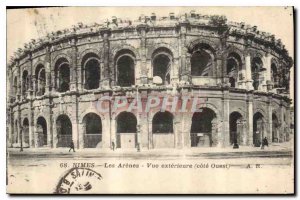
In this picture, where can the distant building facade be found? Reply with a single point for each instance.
(240, 73)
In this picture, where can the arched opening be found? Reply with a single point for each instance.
(256, 68)
(62, 75)
(64, 131)
(25, 82)
(235, 128)
(41, 129)
(93, 130)
(91, 71)
(202, 61)
(275, 128)
(161, 64)
(162, 129)
(125, 71)
(40, 75)
(201, 130)
(25, 132)
(126, 130)
(274, 75)
(234, 64)
(258, 129)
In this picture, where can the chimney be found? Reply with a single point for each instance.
(172, 16)
(153, 16)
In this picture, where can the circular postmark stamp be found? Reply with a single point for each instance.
(78, 180)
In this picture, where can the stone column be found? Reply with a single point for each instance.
(48, 69)
(269, 122)
(106, 76)
(266, 74)
(225, 125)
(80, 83)
(31, 126)
(216, 135)
(19, 82)
(243, 132)
(249, 81)
(185, 71)
(11, 127)
(106, 132)
(282, 123)
(150, 134)
(73, 66)
(288, 120)
(113, 131)
(143, 50)
(82, 131)
(250, 119)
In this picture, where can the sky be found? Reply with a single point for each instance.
(26, 24)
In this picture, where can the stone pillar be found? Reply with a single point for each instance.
(11, 128)
(48, 69)
(177, 132)
(106, 132)
(216, 133)
(80, 83)
(249, 81)
(113, 131)
(31, 126)
(185, 71)
(143, 50)
(49, 123)
(73, 66)
(250, 119)
(150, 134)
(105, 83)
(144, 131)
(269, 122)
(267, 73)
(243, 132)
(19, 82)
(288, 120)
(226, 113)
(82, 131)
(282, 123)
(34, 86)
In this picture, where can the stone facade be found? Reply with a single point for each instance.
(240, 73)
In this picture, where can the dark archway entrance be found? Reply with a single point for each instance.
(41, 131)
(202, 60)
(258, 129)
(125, 71)
(64, 131)
(26, 132)
(256, 68)
(162, 68)
(91, 71)
(126, 130)
(201, 129)
(275, 128)
(162, 129)
(93, 130)
(235, 129)
(62, 75)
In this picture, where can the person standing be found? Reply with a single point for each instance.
(72, 146)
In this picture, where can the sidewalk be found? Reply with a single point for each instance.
(276, 148)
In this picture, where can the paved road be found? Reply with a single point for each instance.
(160, 155)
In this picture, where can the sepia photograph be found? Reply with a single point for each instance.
(150, 100)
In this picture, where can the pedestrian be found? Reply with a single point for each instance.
(72, 146)
(265, 142)
(138, 147)
(113, 145)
